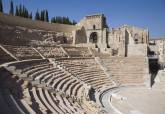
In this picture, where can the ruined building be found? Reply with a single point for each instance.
(122, 41)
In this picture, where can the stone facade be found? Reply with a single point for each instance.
(94, 30)
(157, 46)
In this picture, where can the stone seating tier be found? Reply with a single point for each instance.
(22, 52)
(4, 57)
(126, 70)
(78, 51)
(45, 73)
(51, 52)
(20, 97)
(85, 69)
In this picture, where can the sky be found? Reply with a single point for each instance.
(142, 13)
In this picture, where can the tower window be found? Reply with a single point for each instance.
(94, 27)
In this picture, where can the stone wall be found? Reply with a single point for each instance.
(92, 20)
(137, 50)
(160, 78)
(139, 35)
(158, 47)
(95, 24)
(154, 49)
(79, 36)
(124, 40)
(116, 37)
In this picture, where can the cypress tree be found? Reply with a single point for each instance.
(11, 12)
(26, 13)
(74, 22)
(23, 12)
(30, 16)
(46, 16)
(67, 20)
(16, 12)
(37, 16)
(53, 20)
(60, 19)
(20, 11)
(64, 20)
(57, 19)
(1, 6)
(42, 15)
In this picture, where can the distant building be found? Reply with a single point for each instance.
(123, 41)
(158, 46)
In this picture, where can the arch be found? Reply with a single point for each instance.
(136, 38)
(93, 37)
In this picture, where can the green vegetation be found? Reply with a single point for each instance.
(37, 16)
(11, 12)
(22, 11)
(46, 16)
(62, 20)
(1, 6)
(42, 16)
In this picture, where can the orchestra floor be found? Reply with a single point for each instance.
(139, 101)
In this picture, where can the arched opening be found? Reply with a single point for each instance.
(136, 41)
(136, 37)
(93, 37)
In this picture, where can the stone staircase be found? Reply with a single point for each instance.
(127, 70)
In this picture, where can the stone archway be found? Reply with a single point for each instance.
(93, 37)
(136, 38)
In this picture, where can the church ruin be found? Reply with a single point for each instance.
(122, 41)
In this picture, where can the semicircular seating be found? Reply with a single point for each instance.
(26, 98)
(87, 70)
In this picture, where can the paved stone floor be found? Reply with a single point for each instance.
(140, 101)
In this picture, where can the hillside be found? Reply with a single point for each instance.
(24, 22)
(20, 31)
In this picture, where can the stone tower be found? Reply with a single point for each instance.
(96, 29)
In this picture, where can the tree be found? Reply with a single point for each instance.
(67, 20)
(16, 11)
(53, 20)
(1, 6)
(30, 16)
(20, 11)
(24, 12)
(42, 15)
(46, 16)
(37, 16)
(62, 20)
(11, 12)
(74, 22)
